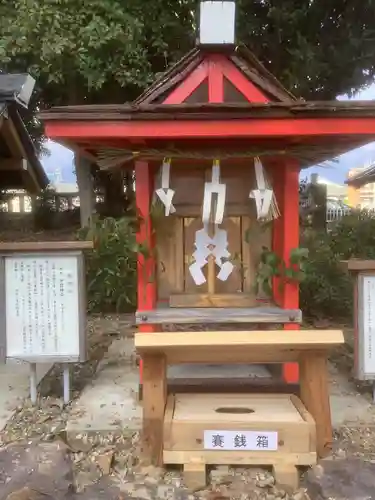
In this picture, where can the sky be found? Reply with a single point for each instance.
(59, 165)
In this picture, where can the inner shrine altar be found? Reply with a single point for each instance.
(217, 145)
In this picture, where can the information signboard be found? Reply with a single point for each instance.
(365, 352)
(44, 307)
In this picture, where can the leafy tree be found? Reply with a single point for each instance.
(108, 50)
(319, 49)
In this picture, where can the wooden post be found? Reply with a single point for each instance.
(85, 188)
(285, 238)
(315, 396)
(144, 185)
(154, 401)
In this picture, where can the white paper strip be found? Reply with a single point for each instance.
(217, 246)
(164, 193)
(262, 196)
(263, 200)
(210, 188)
(259, 174)
(240, 440)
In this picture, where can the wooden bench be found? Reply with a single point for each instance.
(308, 347)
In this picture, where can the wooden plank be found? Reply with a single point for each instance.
(231, 209)
(45, 246)
(187, 87)
(212, 300)
(270, 345)
(307, 418)
(233, 386)
(13, 164)
(168, 418)
(218, 315)
(295, 127)
(315, 397)
(154, 401)
(249, 267)
(286, 474)
(215, 79)
(169, 256)
(241, 82)
(359, 265)
(230, 355)
(237, 457)
(195, 475)
(179, 262)
(306, 339)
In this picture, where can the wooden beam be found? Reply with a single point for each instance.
(172, 315)
(215, 80)
(315, 396)
(146, 267)
(80, 150)
(187, 87)
(241, 82)
(242, 128)
(45, 246)
(154, 401)
(305, 339)
(15, 145)
(19, 164)
(10, 135)
(286, 238)
(85, 188)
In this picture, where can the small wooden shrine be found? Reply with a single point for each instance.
(217, 145)
(217, 125)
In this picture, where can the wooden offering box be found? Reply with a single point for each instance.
(274, 430)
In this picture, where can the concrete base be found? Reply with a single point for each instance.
(110, 403)
(15, 386)
(347, 405)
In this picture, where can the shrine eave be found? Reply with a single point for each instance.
(194, 129)
(326, 129)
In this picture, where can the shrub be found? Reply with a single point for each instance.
(354, 236)
(44, 209)
(327, 290)
(111, 266)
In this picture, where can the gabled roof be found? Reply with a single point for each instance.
(240, 59)
(366, 176)
(213, 103)
(20, 167)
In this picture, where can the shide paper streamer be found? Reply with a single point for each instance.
(165, 193)
(215, 246)
(262, 195)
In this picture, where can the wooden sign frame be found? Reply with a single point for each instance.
(46, 250)
(362, 271)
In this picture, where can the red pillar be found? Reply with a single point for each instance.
(144, 185)
(285, 238)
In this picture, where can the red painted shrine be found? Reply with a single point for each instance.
(217, 145)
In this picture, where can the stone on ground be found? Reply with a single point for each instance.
(351, 479)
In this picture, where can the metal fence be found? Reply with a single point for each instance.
(337, 213)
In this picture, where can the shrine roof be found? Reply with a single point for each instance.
(20, 167)
(240, 56)
(210, 111)
(366, 176)
(214, 104)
